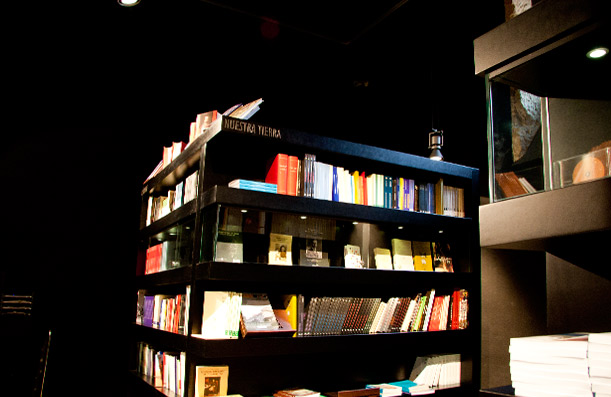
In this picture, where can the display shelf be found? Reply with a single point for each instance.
(169, 340)
(262, 274)
(144, 386)
(311, 206)
(545, 220)
(414, 342)
(213, 156)
(543, 50)
(181, 275)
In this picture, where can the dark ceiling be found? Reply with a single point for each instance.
(383, 72)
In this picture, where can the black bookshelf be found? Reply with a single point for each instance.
(259, 366)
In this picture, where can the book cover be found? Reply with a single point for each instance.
(423, 259)
(257, 313)
(382, 258)
(402, 254)
(509, 184)
(211, 380)
(278, 172)
(442, 257)
(291, 176)
(280, 249)
(352, 257)
(221, 317)
(229, 247)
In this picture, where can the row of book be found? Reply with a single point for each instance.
(310, 178)
(356, 315)
(573, 364)
(405, 254)
(428, 374)
(161, 257)
(162, 205)
(229, 315)
(203, 122)
(165, 312)
(165, 370)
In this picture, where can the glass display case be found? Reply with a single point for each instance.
(549, 99)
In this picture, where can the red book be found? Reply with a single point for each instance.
(277, 173)
(364, 190)
(291, 178)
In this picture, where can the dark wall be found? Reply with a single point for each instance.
(95, 91)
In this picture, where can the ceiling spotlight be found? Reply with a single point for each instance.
(435, 144)
(597, 52)
(128, 3)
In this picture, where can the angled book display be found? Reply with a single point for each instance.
(323, 266)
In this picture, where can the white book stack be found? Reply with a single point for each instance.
(550, 365)
(599, 361)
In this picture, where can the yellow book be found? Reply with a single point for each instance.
(423, 258)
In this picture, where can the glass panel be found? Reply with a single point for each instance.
(515, 139)
(253, 236)
(171, 248)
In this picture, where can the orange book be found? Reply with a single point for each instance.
(291, 178)
(277, 173)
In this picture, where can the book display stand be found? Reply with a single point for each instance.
(291, 254)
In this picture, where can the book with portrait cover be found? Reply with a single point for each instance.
(211, 380)
(280, 249)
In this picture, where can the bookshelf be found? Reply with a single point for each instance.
(233, 149)
(542, 271)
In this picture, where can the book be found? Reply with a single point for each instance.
(280, 249)
(382, 258)
(442, 257)
(352, 257)
(402, 254)
(291, 176)
(423, 260)
(296, 393)
(221, 316)
(257, 313)
(245, 112)
(367, 392)
(277, 173)
(211, 380)
(509, 184)
(229, 247)
(253, 185)
(313, 254)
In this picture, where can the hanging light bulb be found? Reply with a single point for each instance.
(435, 144)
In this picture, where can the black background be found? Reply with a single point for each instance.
(93, 91)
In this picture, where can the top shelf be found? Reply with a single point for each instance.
(543, 50)
(234, 135)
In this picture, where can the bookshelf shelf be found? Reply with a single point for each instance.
(541, 251)
(259, 365)
(415, 342)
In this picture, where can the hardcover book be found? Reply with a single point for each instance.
(280, 249)
(423, 259)
(402, 254)
(278, 172)
(382, 258)
(211, 380)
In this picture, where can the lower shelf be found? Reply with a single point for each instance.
(140, 385)
(497, 391)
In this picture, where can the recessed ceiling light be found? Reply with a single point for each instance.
(597, 52)
(128, 3)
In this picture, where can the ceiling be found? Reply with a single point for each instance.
(381, 72)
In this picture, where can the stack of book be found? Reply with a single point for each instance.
(599, 362)
(550, 365)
